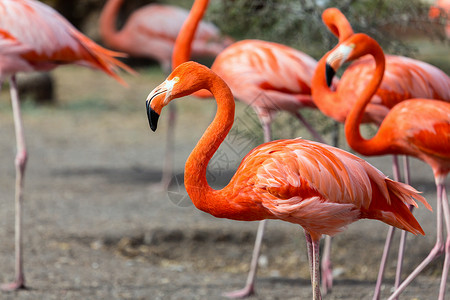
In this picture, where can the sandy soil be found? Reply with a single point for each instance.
(96, 227)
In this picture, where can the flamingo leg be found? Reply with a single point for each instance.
(313, 132)
(437, 250)
(313, 257)
(384, 259)
(327, 269)
(249, 288)
(446, 268)
(389, 237)
(401, 247)
(20, 163)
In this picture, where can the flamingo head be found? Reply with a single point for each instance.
(184, 80)
(157, 99)
(352, 48)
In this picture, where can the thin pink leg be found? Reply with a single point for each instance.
(313, 256)
(384, 258)
(327, 269)
(401, 247)
(249, 288)
(20, 162)
(313, 132)
(390, 235)
(446, 268)
(437, 250)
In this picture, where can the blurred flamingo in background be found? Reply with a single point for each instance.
(33, 36)
(404, 78)
(151, 32)
(416, 127)
(267, 76)
(319, 187)
(441, 8)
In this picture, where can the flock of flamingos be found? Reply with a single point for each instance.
(309, 183)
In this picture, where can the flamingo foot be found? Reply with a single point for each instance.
(327, 276)
(18, 284)
(247, 291)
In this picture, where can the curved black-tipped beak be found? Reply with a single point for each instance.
(152, 117)
(329, 73)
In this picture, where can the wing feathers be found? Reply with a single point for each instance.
(323, 188)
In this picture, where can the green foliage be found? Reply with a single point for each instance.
(298, 23)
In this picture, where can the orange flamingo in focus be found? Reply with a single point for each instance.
(151, 32)
(404, 78)
(267, 76)
(416, 127)
(319, 187)
(33, 36)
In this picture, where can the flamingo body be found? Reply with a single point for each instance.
(404, 78)
(420, 128)
(280, 73)
(319, 187)
(43, 39)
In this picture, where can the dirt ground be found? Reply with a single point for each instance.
(97, 228)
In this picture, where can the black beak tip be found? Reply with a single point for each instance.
(330, 72)
(152, 118)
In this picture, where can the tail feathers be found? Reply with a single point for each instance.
(394, 210)
(406, 193)
(104, 59)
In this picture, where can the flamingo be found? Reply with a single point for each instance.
(416, 127)
(314, 185)
(267, 76)
(33, 36)
(404, 78)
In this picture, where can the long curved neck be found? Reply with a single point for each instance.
(197, 162)
(183, 43)
(337, 23)
(375, 145)
(329, 102)
(108, 19)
